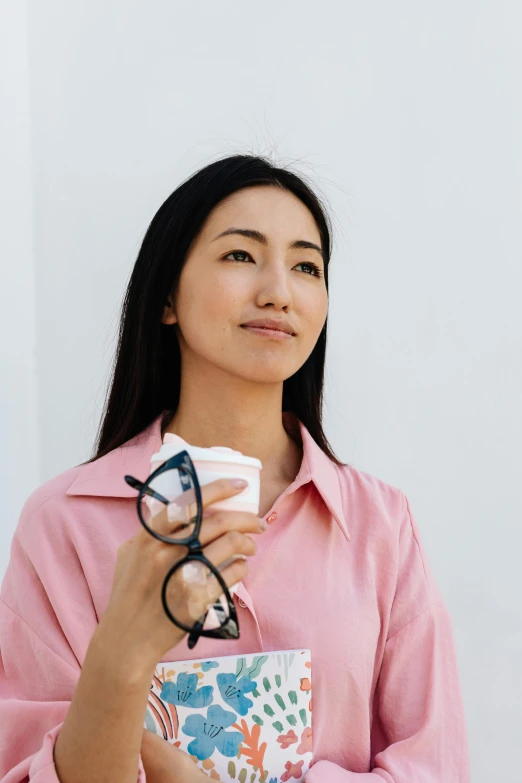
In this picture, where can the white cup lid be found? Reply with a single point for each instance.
(173, 444)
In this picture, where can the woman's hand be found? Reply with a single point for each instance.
(163, 763)
(135, 621)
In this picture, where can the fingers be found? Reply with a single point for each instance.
(168, 520)
(223, 553)
(194, 589)
(196, 582)
(229, 545)
(228, 554)
(210, 493)
(223, 521)
(231, 575)
(220, 490)
(174, 520)
(212, 528)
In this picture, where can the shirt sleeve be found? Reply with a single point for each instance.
(418, 729)
(38, 667)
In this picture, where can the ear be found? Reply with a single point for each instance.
(169, 316)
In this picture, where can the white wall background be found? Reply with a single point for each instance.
(408, 117)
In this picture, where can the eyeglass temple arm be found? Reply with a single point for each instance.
(135, 484)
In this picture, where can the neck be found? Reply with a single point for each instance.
(244, 417)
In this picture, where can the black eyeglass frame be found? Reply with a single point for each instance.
(229, 629)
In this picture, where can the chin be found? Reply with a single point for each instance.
(257, 366)
(264, 373)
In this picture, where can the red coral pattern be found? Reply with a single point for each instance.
(285, 740)
(292, 771)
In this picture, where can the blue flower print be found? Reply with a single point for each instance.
(233, 691)
(210, 734)
(206, 665)
(185, 692)
(273, 780)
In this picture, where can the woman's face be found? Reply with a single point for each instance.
(233, 279)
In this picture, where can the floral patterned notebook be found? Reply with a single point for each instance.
(246, 719)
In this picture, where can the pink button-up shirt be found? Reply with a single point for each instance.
(341, 570)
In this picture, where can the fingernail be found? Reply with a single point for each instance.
(262, 523)
(239, 482)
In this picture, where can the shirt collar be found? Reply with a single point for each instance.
(105, 476)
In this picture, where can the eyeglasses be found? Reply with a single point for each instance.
(176, 480)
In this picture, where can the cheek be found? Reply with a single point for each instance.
(207, 305)
(313, 312)
(221, 297)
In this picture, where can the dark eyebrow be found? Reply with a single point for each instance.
(257, 236)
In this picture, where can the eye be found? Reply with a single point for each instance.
(316, 270)
(237, 253)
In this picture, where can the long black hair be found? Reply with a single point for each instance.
(146, 375)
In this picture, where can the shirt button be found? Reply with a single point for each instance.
(242, 604)
(272, 517)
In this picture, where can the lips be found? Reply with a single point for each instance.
(273, 334)
(270, 324)
(265, 328)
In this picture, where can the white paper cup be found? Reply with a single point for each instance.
(215, 463)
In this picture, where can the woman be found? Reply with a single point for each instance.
(334, 563)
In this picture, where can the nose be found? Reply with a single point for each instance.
(274, 286)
